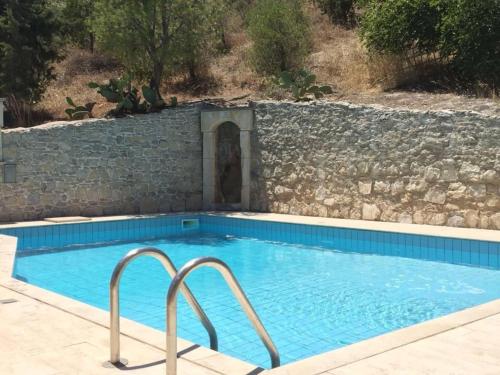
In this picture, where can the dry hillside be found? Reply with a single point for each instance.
(338, 58)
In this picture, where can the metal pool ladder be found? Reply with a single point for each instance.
(225, 271)
(177, 285)
(114, 297)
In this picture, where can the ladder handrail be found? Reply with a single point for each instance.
(115, 300)
(238, 292)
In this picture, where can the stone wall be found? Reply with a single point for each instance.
(351, 161)
(142, 164)
(321, 159)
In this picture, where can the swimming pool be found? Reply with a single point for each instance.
(316, 288)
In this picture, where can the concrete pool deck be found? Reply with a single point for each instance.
(46, 333)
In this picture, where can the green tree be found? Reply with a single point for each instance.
(280, 32)
(76, 16)
(465, 33)
(397, 26)
(147, 36)
(470, 35)
(198, 37)
(29, 44)
(232, 17)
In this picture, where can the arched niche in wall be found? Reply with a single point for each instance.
(220, 173)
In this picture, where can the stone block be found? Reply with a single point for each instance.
(330, 202)
(435, 196)
(283, 193)
(419, 217)
(495, 221)
(449, 171)
(405, 217)
(493, 202)
(477, 191)
(457, 191)
(456, 221)
(319, 194)
(355, 213)
(469, 172)
(433, 144)
(397, 187)
(490, 177)
(436, 218)
(382, 187)
(471, 218)
(416, 185)
(484, 221)
(432, 174)
(370, 212)
(365, 187)
(363, 168)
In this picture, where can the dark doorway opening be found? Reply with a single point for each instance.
(229, 181)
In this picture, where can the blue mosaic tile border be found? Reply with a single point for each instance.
(450, 250)
(57, 236)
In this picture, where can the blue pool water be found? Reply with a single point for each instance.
(311, 298)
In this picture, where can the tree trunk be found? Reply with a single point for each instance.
(192, 72)
(91, 42)
(155, 81)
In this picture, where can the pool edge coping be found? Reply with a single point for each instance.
(216, 361)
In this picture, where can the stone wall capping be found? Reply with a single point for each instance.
(105, 120)
(378, 107)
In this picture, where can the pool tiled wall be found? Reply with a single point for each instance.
(456, 251)
(450, 250)
(56, 236)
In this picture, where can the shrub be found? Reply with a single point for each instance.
(397, 26)
(339, 11)
(281, 35)
(470, 34)
(465, 34)
(303, 85)
(127, 98)
(78, 112)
